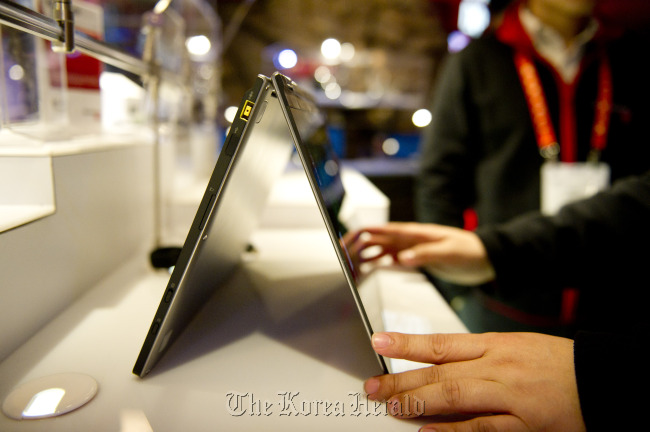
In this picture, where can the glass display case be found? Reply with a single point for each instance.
(32, 84)
(92, 72)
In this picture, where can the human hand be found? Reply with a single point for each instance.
(498, 381)
(450, 253)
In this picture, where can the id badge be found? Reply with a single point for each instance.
(563, 183)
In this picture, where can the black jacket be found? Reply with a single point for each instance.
(600, 245)
(600, 242)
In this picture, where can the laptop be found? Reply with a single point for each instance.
(273, 117)
(255, 153)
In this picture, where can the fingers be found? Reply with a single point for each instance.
(456, 246)
(450, 397)
(368, 247)
(437, 349)
(432, 252)
(413, 257)
(461, 259)
(449, 388)
(385, 386)
(403, 233)
(430, 348)
(399, 237)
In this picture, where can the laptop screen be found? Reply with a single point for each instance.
(323, 168)
(320, 158)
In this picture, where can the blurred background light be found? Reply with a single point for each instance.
(198, 45)
(473, 17)
(347, 52)
(331, 49)
(421, 118)
(331, 167)
(322, 74)
(333, 91)
(230, 113)
(457, 40)
(287, 59)
(390, 146)
(16, 72)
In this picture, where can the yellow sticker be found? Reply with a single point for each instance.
(246, 111)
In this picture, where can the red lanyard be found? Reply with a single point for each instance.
(546, 139)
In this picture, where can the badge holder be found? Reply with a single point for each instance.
(49, 396)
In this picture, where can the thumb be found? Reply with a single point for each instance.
(413, 257)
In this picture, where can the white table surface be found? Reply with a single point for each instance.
(279, 348)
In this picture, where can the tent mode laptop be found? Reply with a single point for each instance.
(273, 117)
(255, 152)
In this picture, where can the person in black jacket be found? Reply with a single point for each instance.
(530, 381)
(483, 151)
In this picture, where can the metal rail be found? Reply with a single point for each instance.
(27, 20)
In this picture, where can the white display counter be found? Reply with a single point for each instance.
(280, 347)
